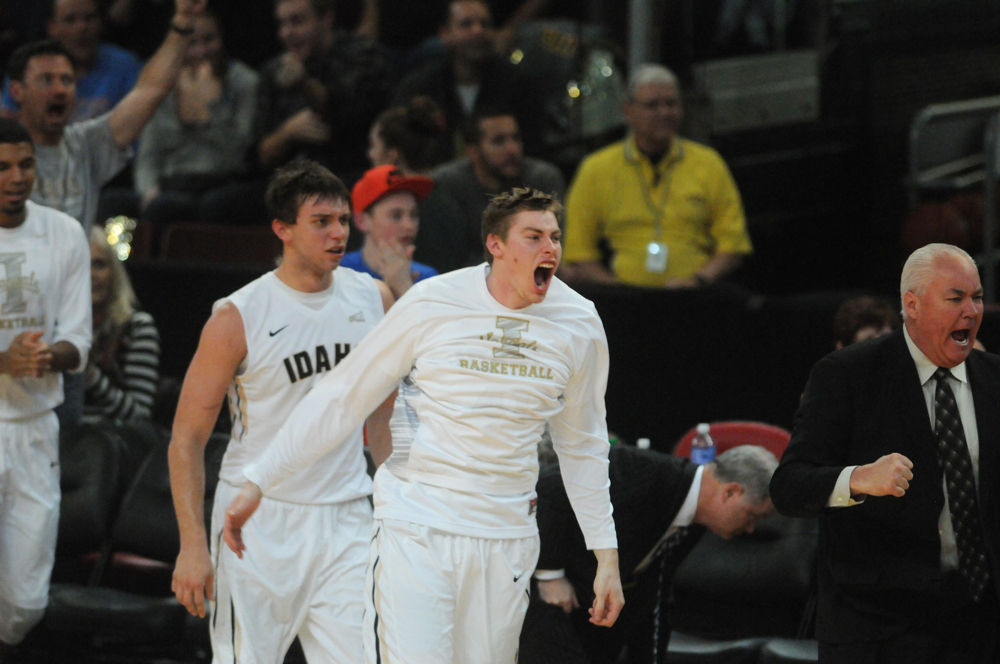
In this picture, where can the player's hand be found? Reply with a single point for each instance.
(608, 596)
(888, 476)
(29, 356)
(558, 592)
(193, 579)
(244, 504)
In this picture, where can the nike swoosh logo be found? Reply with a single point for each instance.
(358, 317)
(271, 333)
(516, 578)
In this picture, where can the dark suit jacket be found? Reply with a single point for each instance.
(879, 562)
(647, 490)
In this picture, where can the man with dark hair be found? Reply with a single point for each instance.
(487, 356)
(76, 158)
(45, 328)
(105, 73)
(319, 96)
(267, 345)
(494, 162)
(894, 450)
(863, 317)
(663, 504)
(471, 74)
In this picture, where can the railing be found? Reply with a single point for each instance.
(954, 146)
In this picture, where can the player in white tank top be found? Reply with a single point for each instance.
(489, 354)
(265, 346)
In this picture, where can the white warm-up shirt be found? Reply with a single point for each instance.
(44, 285)
(481, 380)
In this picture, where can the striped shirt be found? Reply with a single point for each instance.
(125, 390)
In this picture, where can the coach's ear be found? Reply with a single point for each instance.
(911, 305)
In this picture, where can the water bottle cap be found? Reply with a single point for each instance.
(703, 428)
(642, 443)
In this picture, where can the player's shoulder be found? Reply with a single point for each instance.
(448, 284)
(562, 295)
(52, 222)
(248, 292)
(352, 277)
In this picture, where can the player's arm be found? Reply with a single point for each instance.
(388, 299)
(608, 596)
(65, 356)
(377, 430)
(220, 350)
(377, 425)
(157, 77)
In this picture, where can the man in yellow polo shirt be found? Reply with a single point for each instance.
(667, 206)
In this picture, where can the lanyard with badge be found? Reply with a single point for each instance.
(657, 251)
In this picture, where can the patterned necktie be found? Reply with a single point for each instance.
(666, 558)
(955, 463)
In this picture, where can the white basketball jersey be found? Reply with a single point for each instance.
(293, 339)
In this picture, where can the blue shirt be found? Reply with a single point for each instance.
(354, 261)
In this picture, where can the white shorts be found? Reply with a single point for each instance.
(302, 574)
(29, 521)
(439, 598)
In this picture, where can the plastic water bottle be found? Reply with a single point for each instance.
(702, 445)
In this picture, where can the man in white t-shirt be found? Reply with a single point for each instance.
(266, 346)
(488, 355)
(45, 328)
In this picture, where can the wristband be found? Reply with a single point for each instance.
(185, 32)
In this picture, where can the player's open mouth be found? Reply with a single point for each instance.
(543, 274)
(961, 336)
(57, 110)
(336, 250)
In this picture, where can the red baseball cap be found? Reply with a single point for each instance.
(387, 179)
